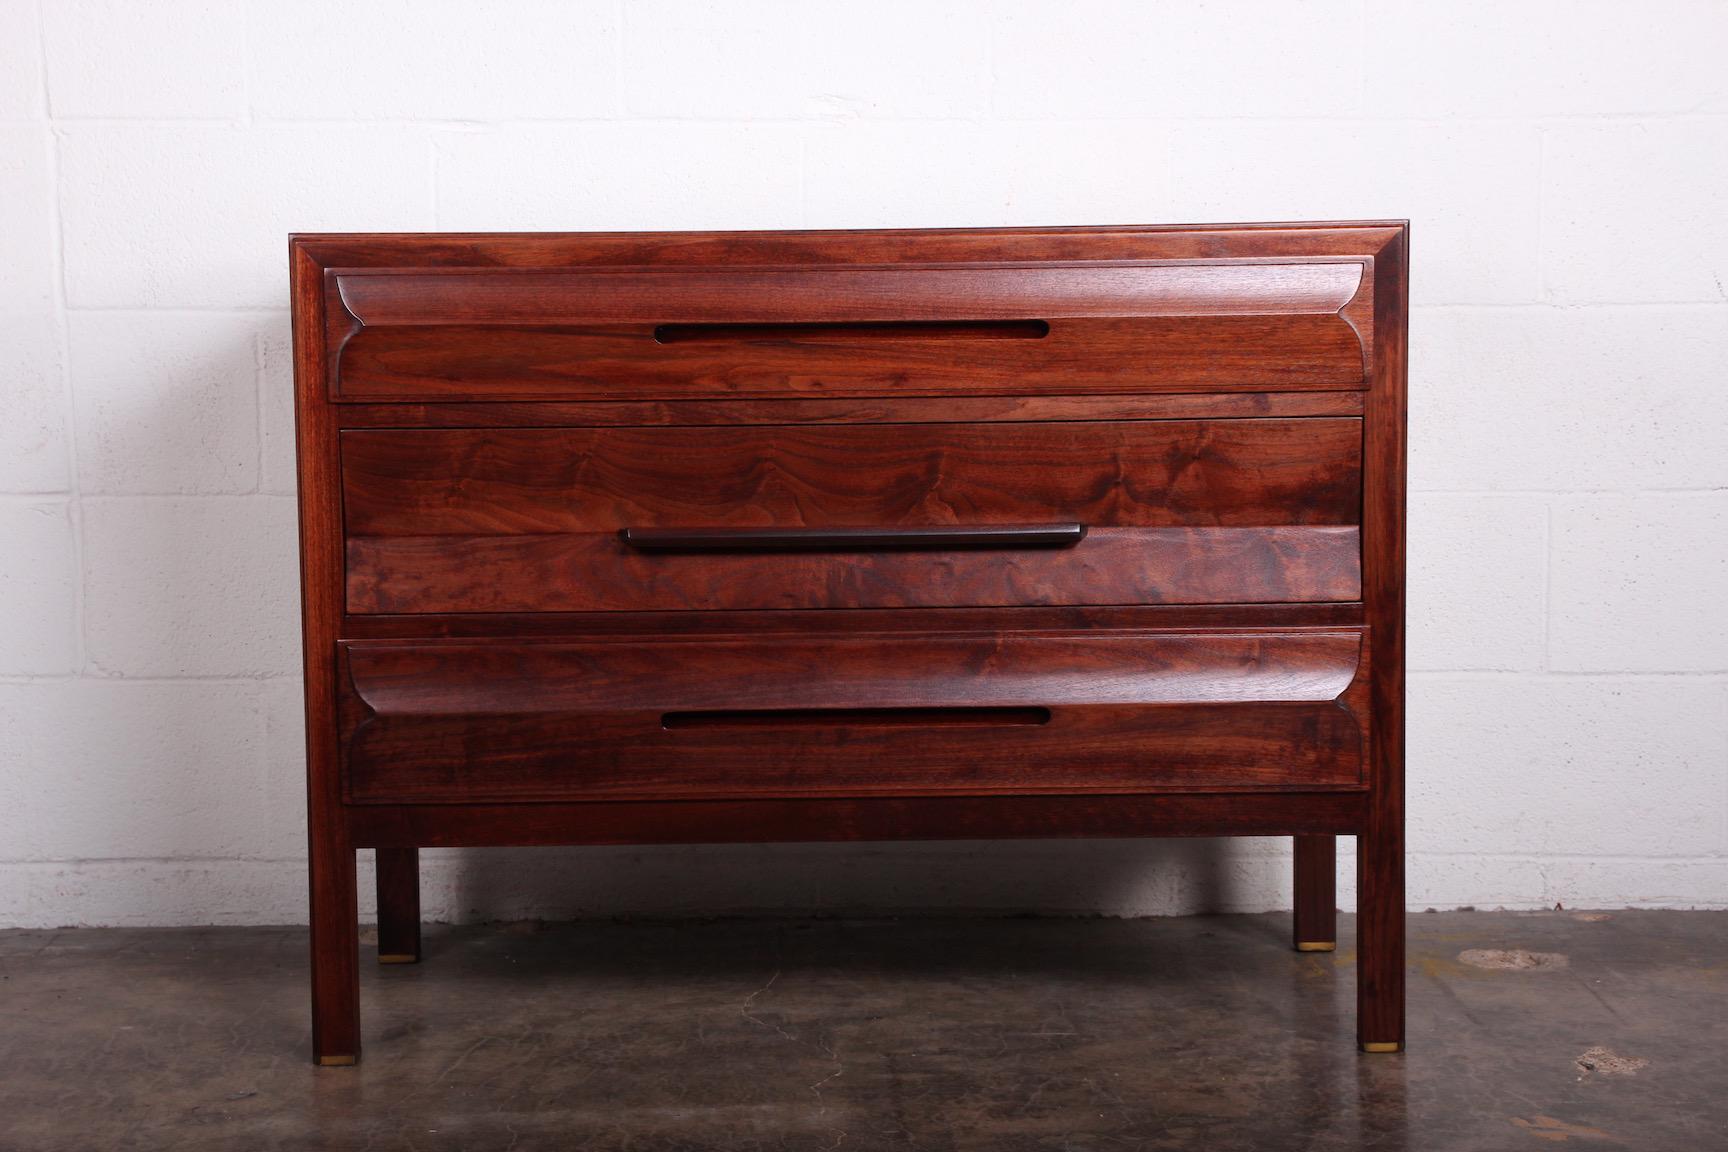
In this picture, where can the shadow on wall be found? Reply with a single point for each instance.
(1060, 877)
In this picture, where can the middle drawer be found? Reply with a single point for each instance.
(852, 516)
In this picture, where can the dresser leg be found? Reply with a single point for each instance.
(335, 950)
(1380, 939)
(1316, 865)
(398, 905)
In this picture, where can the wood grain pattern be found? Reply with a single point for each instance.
(334, 898)
(398, 882)
(1380, 843)
(599, 573)
(852, 715)
(1315, 867)
(852, 331)
(1048, 618)
(853, 410)
(1175, 511)
(1104, 474)
(859, 818)
(1357, 240)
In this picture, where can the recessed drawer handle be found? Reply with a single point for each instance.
(959, 717)
(853, 539)
(856, 329)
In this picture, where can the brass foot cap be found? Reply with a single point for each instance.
(398, 958)
(1381, 1046)
(336, 1061)
(1317, 946)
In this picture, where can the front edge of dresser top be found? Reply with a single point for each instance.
(575, 565)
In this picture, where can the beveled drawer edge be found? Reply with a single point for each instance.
(886, 621)
(928, 409)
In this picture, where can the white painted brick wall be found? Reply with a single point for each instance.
(117, 58)
(681, 60)
(1605, 397)
(1637, 582)
(334, 60)
(27, 224)
(618, 176)
(190, 587)
(197, 216)
(1565, 163)
(155, 404)
(859, 173)
(35, 453)
(38, 588)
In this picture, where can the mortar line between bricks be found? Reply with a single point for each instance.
(1541, 210)
(177, 309)
(66, 496)
(803, 170)
(1360, 56)
(434, 193)
(626, 117)
(68, 395)
(257, 488)
(1708, 303)
(620, 13)
(992, 82)
(250, 118)
(1548, 586)
(109, 497)
(1707, 490)
(154, 123)
(247, 117)
(1617, 675)
(97, 678)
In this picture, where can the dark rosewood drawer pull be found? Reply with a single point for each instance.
(859, 718)
(853, 329)
(853, 539)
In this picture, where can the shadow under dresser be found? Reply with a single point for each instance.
(625, 538)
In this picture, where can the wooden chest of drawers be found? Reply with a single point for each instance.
(638, 538)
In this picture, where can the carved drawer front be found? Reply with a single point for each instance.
(994, 329)
(852, 516)
(446, 721)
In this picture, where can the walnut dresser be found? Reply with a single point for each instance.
(794, 536)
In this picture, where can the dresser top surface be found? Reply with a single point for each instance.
(1338, 239)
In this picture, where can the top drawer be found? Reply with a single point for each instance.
(847, 330)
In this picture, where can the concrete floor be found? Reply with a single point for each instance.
(1199, 1032)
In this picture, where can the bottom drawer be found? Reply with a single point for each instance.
(444, 721)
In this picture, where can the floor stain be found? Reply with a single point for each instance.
(1512, 959)
(1559, 1131)
(1609, 1063)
